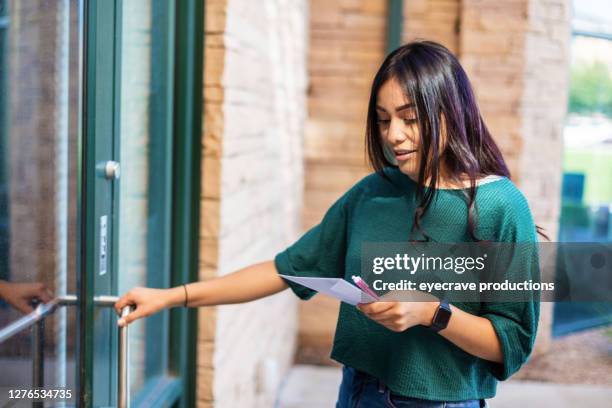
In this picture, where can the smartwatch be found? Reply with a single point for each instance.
(441, 317)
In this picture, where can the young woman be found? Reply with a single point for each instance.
(439, 177)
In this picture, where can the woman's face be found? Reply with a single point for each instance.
(398, 127)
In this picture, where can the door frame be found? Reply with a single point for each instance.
(185, 127)
(188, 112)
(96, 196)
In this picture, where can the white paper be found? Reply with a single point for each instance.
(335, 287)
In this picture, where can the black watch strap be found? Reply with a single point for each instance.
(441, 317)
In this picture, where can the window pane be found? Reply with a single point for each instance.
(586, 206)
(145, 150)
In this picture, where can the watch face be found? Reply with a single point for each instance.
(442, 317)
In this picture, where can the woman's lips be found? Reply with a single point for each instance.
(403, 154)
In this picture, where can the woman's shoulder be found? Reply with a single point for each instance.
(502, 204)
(366, 187)
(502, 196)
(374, 183)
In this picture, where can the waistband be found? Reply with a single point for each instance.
(382, 387)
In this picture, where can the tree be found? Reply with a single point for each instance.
(591, 89)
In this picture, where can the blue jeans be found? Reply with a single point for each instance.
(361, 390)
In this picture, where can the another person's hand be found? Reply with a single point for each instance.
(147, 301)
(21, 294)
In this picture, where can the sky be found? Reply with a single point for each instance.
(596, 9)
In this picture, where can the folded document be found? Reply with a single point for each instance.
(338, 288)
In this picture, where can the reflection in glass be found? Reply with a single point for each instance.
(40, 44)
(586, 201)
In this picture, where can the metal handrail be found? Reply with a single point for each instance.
(43, 310)
(40, 312)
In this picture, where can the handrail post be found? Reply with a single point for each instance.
(38, 356)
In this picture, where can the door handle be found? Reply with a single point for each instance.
(123, 364)
(112, 170)
(42, 310)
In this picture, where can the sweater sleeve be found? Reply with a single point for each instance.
(320, 252)
(515, 321)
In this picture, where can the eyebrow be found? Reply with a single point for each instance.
(398, 109)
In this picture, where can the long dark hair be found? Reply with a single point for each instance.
(435, 82)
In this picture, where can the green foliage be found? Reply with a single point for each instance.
(591, 89)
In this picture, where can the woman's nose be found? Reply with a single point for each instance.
(396, 132)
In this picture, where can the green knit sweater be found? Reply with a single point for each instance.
(417, 362)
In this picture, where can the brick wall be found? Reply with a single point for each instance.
(347, 43)
(517, 55)
(436, 20)
(255, 106)
(544, 108)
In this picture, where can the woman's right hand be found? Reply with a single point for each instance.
(147, 301)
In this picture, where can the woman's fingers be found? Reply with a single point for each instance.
(130, 317)
(387, 314)
(123, 301)
(375, 308)
(146, 301)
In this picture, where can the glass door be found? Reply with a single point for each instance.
(99, 177)
(130, 69)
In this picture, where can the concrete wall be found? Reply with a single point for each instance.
(255, 107)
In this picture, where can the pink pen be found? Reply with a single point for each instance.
(364, 287)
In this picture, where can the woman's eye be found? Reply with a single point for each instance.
(409, 121)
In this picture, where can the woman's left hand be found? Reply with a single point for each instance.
(399, 316)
